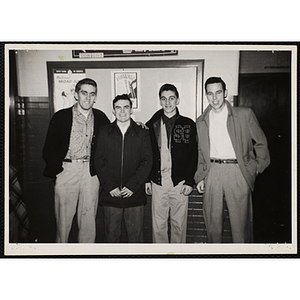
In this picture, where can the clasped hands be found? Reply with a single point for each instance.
(124, 193)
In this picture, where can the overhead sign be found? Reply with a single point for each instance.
(120, 53)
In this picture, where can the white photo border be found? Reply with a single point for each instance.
(36, 249)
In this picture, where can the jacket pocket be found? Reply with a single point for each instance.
(251, 165)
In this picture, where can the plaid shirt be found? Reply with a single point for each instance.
(81, 135)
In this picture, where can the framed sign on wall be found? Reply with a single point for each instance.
(127, 82)
(65, 81)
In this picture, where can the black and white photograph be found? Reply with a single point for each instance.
(150, 149)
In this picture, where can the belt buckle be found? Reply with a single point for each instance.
(82, 160)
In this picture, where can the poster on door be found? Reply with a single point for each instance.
(65, 81)
(127, 83)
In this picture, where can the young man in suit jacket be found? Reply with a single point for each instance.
(232, 151)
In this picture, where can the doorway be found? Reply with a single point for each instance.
(269, 96)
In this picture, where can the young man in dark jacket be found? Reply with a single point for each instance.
(174, 146)
(69, 156)
(123, 161)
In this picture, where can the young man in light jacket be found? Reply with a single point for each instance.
(232, 151)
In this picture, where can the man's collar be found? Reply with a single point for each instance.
(205, 114)
(76, 109)
(131, 124)
(167, 119)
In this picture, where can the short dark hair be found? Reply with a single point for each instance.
(122, 97)
(168, 87)
(85, 81)
(211, 80)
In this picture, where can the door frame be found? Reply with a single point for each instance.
(132, 64)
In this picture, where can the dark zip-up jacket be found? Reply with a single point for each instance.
(123, 163)
(58, 140)
(183, 149)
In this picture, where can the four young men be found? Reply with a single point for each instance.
(230, 151)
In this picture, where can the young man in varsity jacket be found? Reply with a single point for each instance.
(174, 146)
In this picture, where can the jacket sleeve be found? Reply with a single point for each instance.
(144, 168)
(193, 161)
(198, 175)
(151, 138)
(52, 148)
(260, 143)
(103, 171)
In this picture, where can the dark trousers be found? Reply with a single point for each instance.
(134, 218)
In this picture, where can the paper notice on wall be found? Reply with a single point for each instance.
(65, 81)
(127, 83)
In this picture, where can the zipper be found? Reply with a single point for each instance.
(122, 160)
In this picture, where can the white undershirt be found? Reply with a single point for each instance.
(123, 126)
(220, 143)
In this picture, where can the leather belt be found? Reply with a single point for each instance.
(76, 160)
(223, 161)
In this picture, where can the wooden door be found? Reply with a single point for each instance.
(269, 96)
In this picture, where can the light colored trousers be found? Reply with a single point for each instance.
(166, 199)
(76, 190)
(226, 180)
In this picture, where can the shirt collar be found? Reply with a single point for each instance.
(79, 113)
(172, 119)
